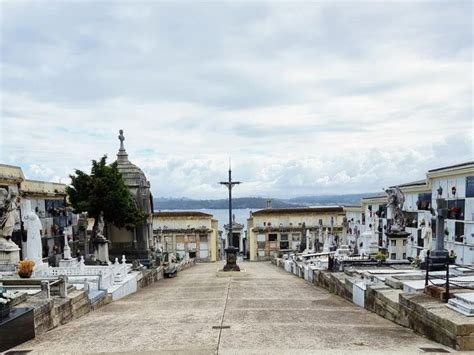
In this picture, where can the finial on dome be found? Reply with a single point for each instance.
(122, 154)
(121, 138)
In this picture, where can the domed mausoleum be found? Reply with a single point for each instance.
(133, 244)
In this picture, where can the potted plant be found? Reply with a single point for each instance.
(6, 299)
(381, 256)
(25, 268)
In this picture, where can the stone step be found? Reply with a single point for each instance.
(461, 308)
(466, 297)
(463, 303)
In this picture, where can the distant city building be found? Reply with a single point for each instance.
(272, 230)
(179, 232)
(238, 236)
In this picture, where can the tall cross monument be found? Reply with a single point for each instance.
(231, 251)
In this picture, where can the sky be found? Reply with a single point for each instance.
(307, 98)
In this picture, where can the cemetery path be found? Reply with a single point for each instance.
(269, 311)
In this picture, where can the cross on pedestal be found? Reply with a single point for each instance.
(231, 251)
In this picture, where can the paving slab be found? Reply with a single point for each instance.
(268, 312)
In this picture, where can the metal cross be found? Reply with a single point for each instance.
(230, 184)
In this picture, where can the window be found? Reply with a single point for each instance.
(260, 245)
(411, 219)
(203, 238)
(459, 232)
(469, 186)
(393, 243)
(405, 243)
(295, 237)
(272, 237)
(382, 211)
(419, 238)
(284, 237)
(404, 255)
(393, 256)
(363, 218)
(456, 209)
(424, 201)
(284, 245)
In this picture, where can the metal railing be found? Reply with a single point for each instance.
(60, 283)
(447, 280)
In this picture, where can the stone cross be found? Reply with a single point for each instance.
(121, 138)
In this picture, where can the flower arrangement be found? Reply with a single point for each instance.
(416, 262)
(25, 268)
(381, 256)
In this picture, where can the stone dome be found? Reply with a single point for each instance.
(132, 174)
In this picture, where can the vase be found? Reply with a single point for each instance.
(4, 311)
(25, 274)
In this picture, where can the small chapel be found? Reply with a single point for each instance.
(134, 244)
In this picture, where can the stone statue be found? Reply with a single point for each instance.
(427, 235)
(395, 201)
(310, 243)
(8, 218)
(327, 242)
(99, 232)
(345, 227)
(33, 227)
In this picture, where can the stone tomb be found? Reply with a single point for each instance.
(17, 328)
(9, 259)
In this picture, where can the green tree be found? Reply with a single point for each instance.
(104, 190)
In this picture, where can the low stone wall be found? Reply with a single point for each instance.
(49, 314)
(428, 316)
(384, 301)
(149, 277)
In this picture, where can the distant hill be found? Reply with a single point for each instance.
(241, 202)
(161, 203)
(348, 199)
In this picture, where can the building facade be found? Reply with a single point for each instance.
(180, 232)
(368, 222)
(48, 200)
(238, 238)
(272, 230)
(456, 184)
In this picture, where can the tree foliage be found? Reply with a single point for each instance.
(104, 190)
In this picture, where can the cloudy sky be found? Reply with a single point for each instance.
(306, 97)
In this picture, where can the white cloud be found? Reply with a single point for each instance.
(307, 98)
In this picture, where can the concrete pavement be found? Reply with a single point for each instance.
(270, 311)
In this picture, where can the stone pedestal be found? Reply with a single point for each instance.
(231, 259)
(9, 259)
(68, 262)
(101, 251)
(438, 258)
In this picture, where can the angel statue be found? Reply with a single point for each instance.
(395, 201)
(8, 218)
